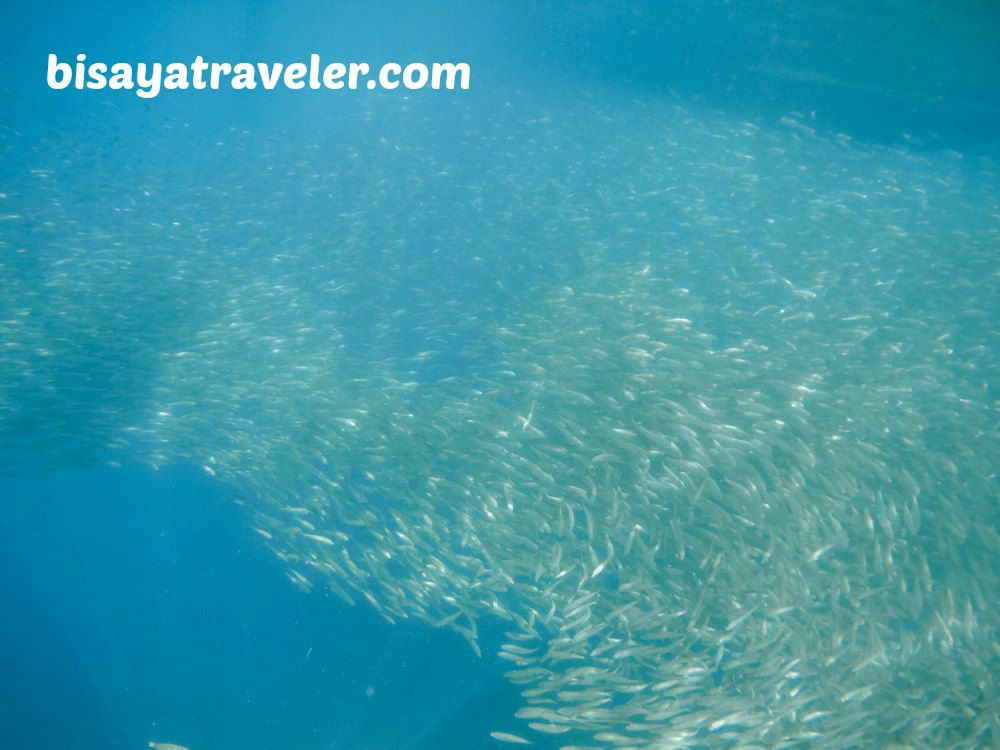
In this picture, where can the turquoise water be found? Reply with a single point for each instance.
(646, 392)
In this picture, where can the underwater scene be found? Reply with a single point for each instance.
(641, 390)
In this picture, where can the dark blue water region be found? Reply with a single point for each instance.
(924, 74)
(140, 606)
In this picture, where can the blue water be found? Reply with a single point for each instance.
(138, 605)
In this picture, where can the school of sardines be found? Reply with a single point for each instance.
(705, 410)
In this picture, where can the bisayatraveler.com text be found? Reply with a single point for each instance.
(149, 79)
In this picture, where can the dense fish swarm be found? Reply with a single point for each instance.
(706, 410)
